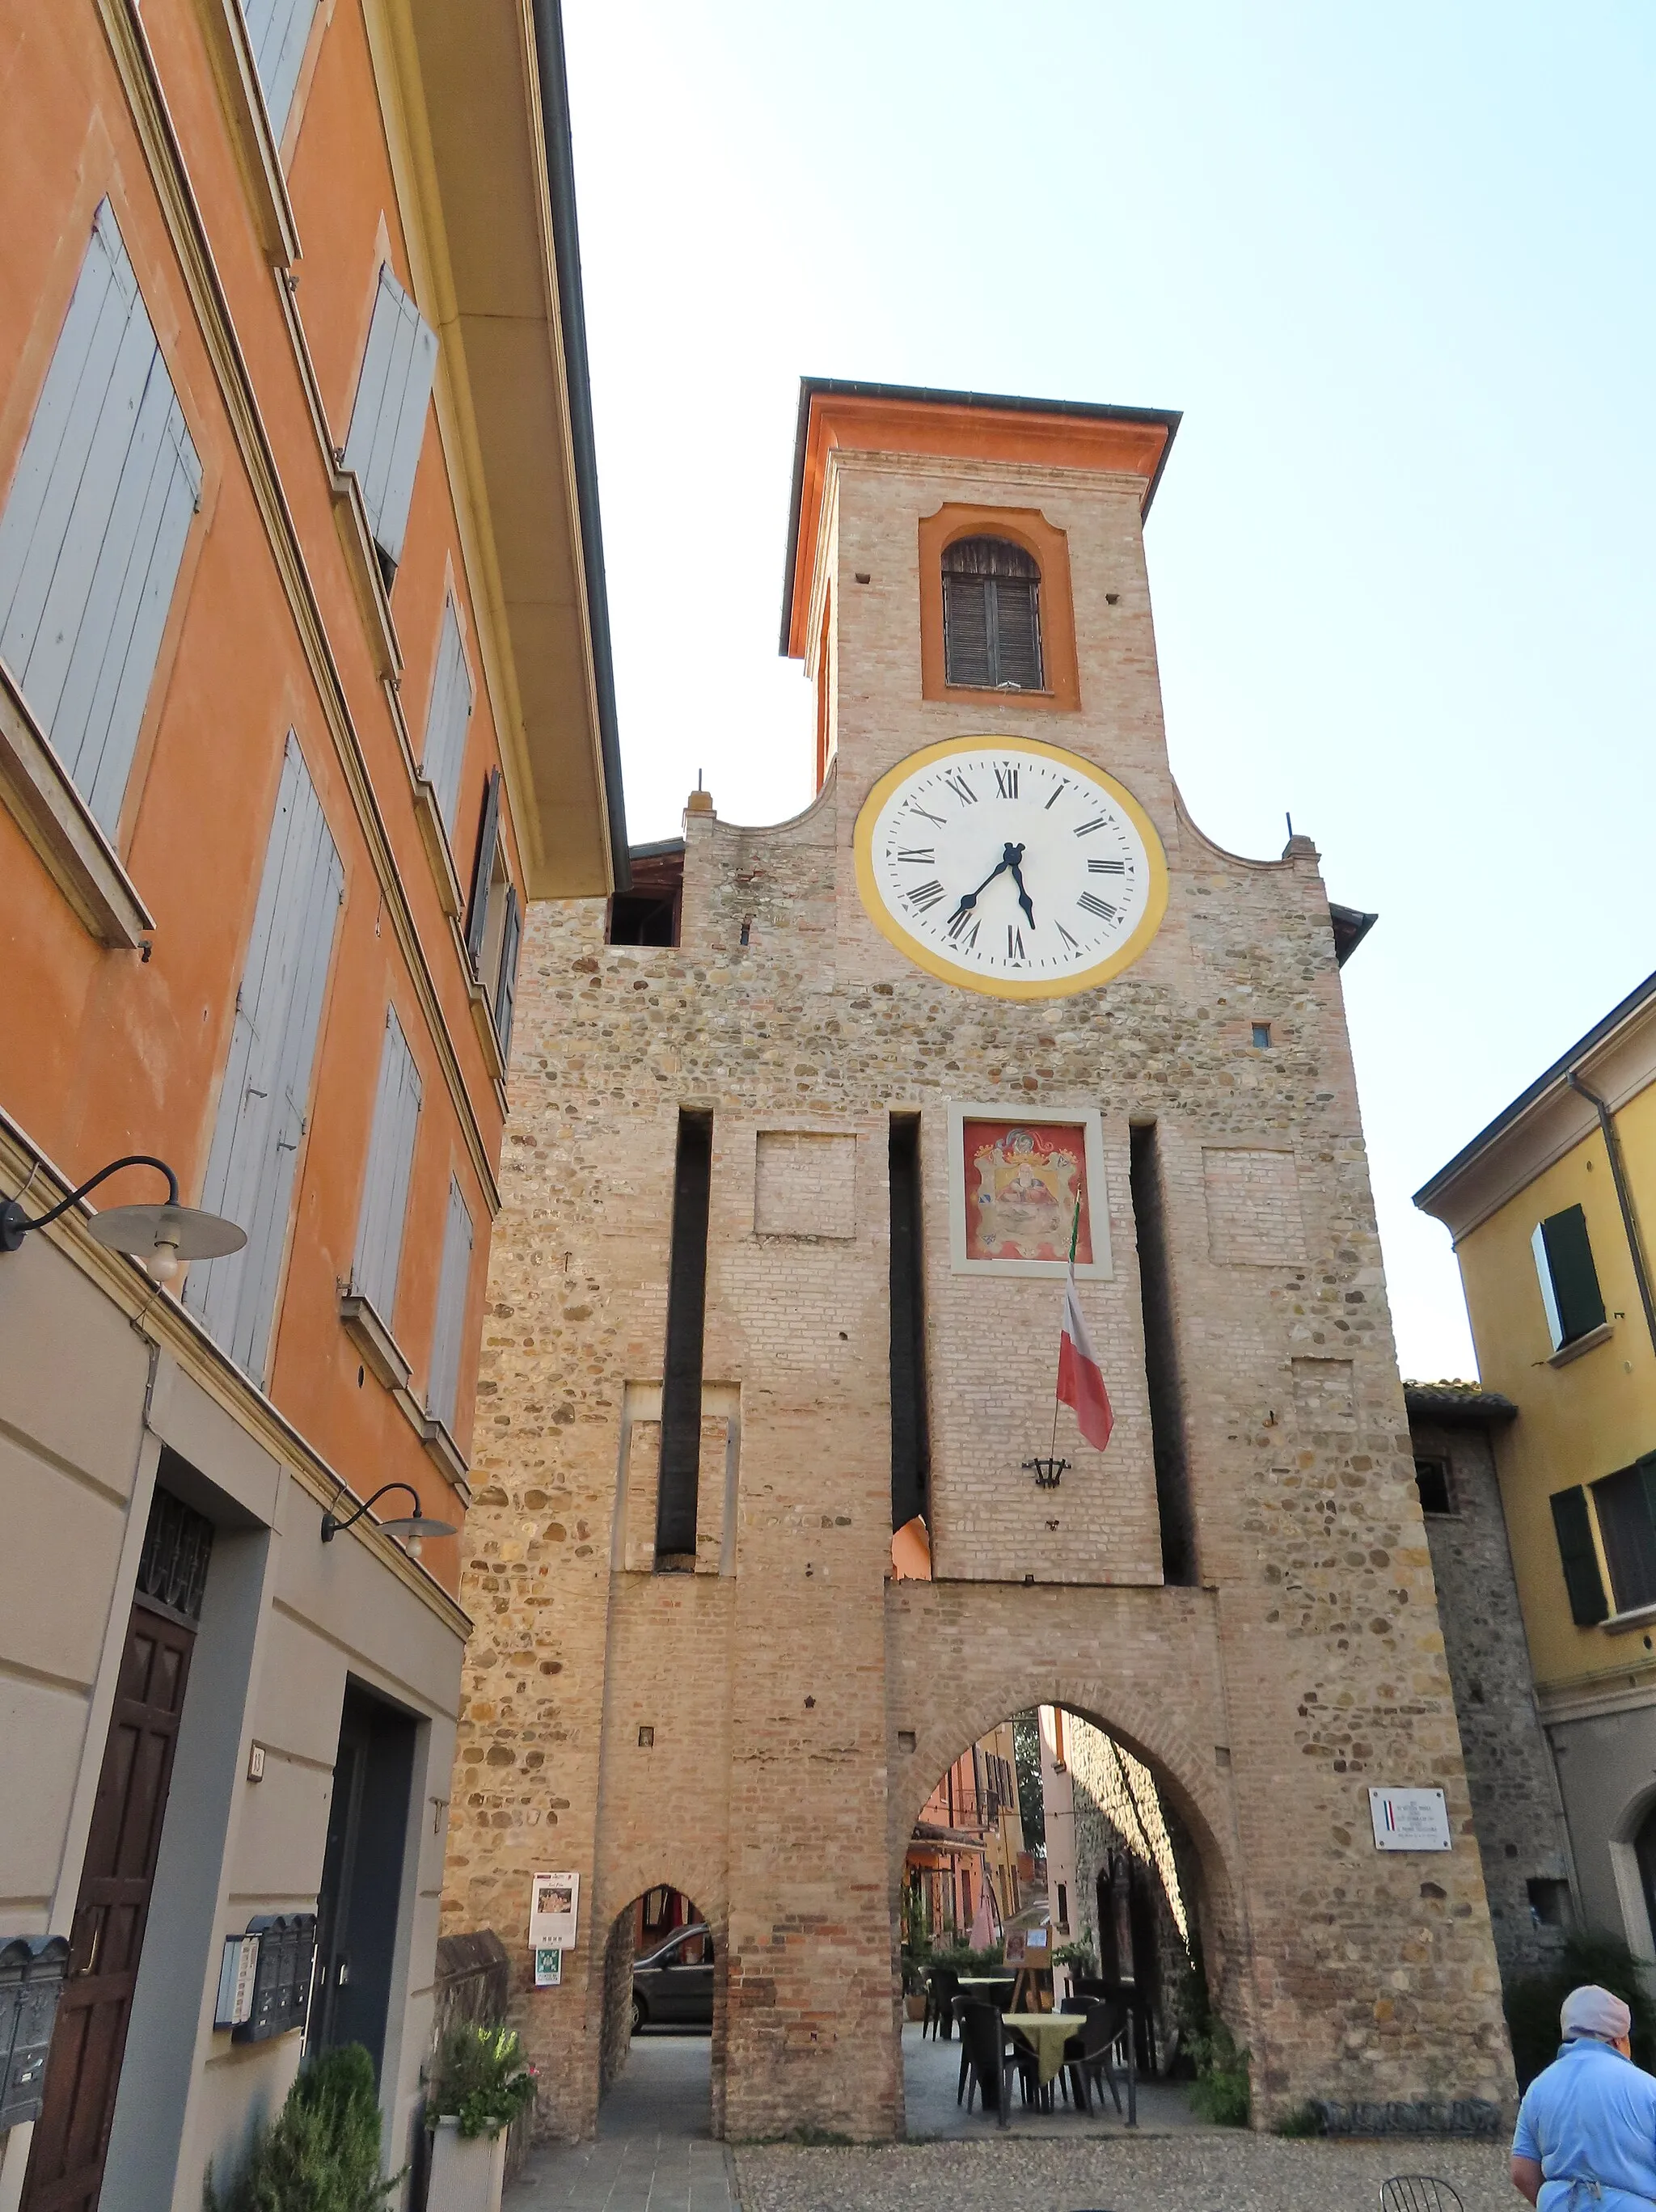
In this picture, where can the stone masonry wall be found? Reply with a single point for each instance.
(1520, 1827)
(742, 1732)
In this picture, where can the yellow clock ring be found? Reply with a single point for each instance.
(942, 776)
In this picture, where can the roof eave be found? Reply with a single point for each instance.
(814, 387)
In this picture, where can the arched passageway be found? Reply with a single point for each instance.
(662, 1994)
(1049, 1868)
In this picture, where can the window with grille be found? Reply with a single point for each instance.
(991, 616)
(178, 1544)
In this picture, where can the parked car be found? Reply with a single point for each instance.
(672, 1985)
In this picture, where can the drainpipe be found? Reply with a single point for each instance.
(1623, 1198)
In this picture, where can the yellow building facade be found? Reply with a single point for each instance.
(1546, 1206)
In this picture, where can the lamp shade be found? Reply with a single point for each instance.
(418, 1525)
(190, 1233)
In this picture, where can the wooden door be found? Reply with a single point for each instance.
(72, 2137)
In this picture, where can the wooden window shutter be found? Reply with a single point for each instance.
(477, 916)
(991, 616)
(279, 31)
(390, 1164)
(262, 1104)
(965, 630)
(387, 418)
(448, 717)
(1625, 1505)
(94, 527)
(1573, 1524)
(506, 983)
(1016, 628)
(1564, 1264)
(454, 1280)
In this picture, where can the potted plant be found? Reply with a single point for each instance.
(321, 2153)
(481, 2083)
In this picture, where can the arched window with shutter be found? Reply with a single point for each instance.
(991, 616)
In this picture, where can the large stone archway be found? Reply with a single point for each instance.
(1143, 1669)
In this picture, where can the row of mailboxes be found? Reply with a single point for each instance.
(264, 1977)
(32, 1970)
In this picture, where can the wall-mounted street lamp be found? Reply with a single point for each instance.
(413, 1529)
(161, 1238)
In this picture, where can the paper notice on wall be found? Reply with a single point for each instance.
(553, 1902)
(549, 1967)
(1409, 1820)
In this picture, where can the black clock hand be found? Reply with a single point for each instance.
(968, 899)
(1024, 899)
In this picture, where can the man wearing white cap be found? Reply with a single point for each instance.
(1585, 2139)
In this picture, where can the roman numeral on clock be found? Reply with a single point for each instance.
(1015, 944)
(962, 790)
(1095, 867)
(914, 808)
(1102, 907)
(1005, 782)
(958, 924)
(1087, 827)
(928, 858)
(925, 896)
(1074, 943)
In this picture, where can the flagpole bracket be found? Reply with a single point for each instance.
(1047, 1472)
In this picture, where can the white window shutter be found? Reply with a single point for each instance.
(453, 1282)
(266, 1095)
(506, 982)
(448, 717)
(279, 32)
(390, 1164)
(1544, 1276)
(387, 419)
(94, 527)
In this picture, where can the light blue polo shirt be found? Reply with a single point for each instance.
(1591, 2116)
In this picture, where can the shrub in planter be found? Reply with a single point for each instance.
(482, 2080)
(321, 2153)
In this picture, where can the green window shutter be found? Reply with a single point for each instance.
(1579, 1301)
(1585, 1585)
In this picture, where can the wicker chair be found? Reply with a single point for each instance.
(943, 1987)
(1419, 2192)
(983, 2053)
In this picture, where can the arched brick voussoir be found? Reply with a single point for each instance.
(1139, 1664)
(625, 1883)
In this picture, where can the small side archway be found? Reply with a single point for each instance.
(664, 1969)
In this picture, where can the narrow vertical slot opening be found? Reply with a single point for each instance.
(1161, 1365)
(911, 1440)
(681, 1376)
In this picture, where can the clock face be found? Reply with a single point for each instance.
(1009, 866)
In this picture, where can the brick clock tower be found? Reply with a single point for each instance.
(800, 1134)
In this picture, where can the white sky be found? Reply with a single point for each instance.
(1395, 266)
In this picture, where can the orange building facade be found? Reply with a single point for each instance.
(304, 694)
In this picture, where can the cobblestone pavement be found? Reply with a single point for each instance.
(1189, 2171)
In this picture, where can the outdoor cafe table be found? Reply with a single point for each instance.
(1046, 2035)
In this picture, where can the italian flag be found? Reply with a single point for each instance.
(1081, 1379)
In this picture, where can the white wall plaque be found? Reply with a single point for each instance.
(1410, 1821)
(553, 1902)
